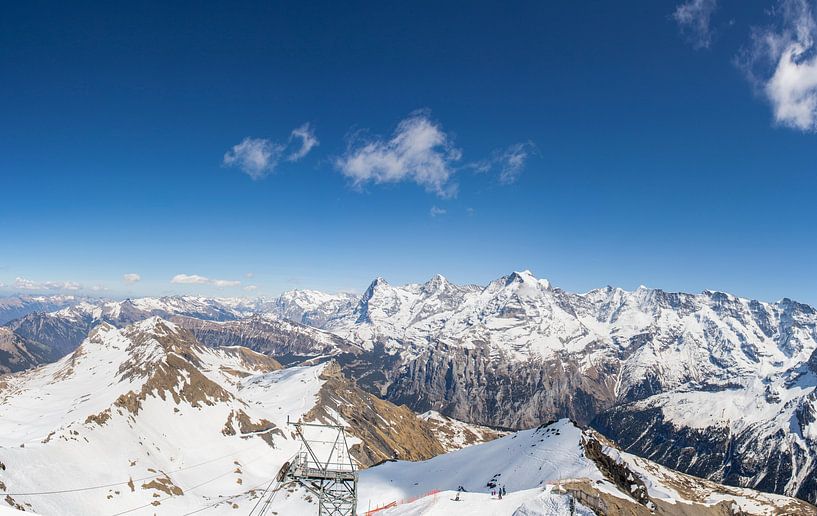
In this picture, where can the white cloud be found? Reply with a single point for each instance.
(249, 275)
(195, 279)
(251, 288)
(190, 279)
(256, 157)
(418, 151)
(509, 162)
(694, 18)
(782, 64)
(435, 211)
(99, 288)
(26, 284)
(308, 142)
(513, 161)
(131, 278)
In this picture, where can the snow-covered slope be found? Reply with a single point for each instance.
(145, 418)
(535, 465)
(312, 307)
(455, 435)
(760, 433)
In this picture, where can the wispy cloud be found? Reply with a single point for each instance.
(435, 211)
(694, 19)
(512, 161)
(508, 163)
(258, 157)
(27, 284)
(250, 288)
(308, 141)
(782, 64)
(418, 151)
(131, 278)
(195, 279)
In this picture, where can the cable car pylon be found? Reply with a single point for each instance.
(325, 467)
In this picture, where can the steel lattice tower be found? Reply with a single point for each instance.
(325, 467)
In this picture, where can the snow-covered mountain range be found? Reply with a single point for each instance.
(13, 307)
(146, 417)
(712, 384)
(708, 383)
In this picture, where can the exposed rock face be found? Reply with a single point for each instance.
(285, 340)
(455, 435)
(477, 386)
(812, 362)
(764, 456)
(55, 336)
(15, 353)
(387, 431)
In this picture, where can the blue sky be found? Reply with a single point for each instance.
(321, 144)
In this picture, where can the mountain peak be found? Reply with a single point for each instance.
(378, 282)
(526, 277)
(436, 282)
(155, 325)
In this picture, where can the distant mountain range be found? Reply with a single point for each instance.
(710, 384)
